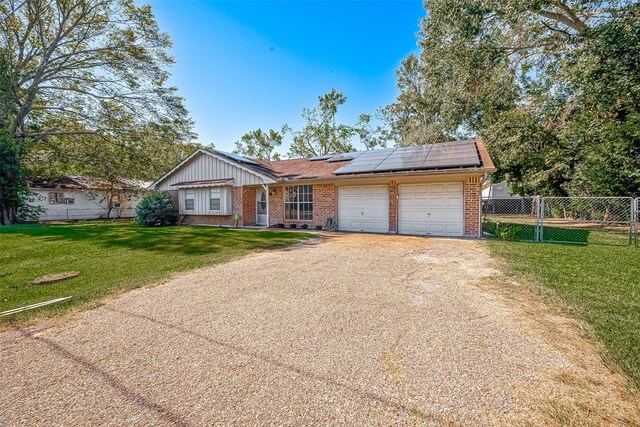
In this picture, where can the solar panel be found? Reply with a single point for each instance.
(434, 156)
(317, 158)
(343, 157)
(237, 157)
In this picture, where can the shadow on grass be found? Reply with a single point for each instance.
(187, 240)
(527, 232)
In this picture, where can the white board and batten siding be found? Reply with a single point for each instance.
(205, 167)
(201, 202)
(363, 208)
(435, 209)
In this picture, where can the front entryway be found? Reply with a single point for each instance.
(261, 206)
(363, 208)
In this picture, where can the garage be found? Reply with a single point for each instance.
(431, 209)
(363, 208)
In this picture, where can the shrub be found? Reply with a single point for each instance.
(507, 231)
(292, 226)
(156, 210)
(318, 227)
(304, 226)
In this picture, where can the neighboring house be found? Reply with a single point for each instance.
(499, 190)
(72, 197)
(421, 190)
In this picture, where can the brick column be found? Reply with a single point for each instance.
(236, 203)
(248, 206)
(393, 203)
(472, 190)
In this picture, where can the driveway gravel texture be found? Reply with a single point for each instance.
(349, 329)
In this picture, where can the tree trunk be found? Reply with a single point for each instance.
(8, 214)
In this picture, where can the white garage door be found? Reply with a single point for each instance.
(363, 208)
(431, 209)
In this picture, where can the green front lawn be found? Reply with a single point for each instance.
(599, 284)
(112, 257)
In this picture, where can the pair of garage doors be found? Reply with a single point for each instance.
(423, 209)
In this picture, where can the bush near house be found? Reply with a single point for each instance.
(156, 210)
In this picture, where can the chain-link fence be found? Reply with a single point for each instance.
(636, 221)
(74, 214)
(596, 220)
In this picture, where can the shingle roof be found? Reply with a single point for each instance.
(302, 169)
(77, 182)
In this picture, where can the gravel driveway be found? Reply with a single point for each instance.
(350, 329)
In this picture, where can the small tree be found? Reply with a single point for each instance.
(260, 144)
(156, 210)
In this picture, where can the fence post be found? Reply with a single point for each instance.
(536, 221)
(480, 216)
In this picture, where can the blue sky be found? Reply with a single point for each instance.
(243, 65)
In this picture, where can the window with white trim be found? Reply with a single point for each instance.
(56, 197)
(298, 202)
(214, 199)
(189, 200)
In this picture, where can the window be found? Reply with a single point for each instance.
(298, 202)
(56, 197)
(189, 199)
(214, 199)
(115, 200)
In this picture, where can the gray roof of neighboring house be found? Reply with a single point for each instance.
(78, 182)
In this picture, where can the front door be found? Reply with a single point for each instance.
(261, 207)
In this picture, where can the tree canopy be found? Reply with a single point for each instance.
(551, 85)
(86, 68)
(321, 134)
(260, 144)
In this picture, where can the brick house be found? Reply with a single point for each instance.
(422, 190)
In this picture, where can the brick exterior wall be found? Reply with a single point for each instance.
(248, 205)
(236, 204)
(276, 205)
(324, 203)
(472, 190)
(226, 220)
(393, 203)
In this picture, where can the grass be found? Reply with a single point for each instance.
(112, 257)
(556, 231)
(599, 284)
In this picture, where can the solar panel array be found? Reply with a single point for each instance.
(237, 158)
(433, 156)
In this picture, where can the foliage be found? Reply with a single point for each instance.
(596, 283)
(13, 189)
(322, 134)
(111, 257)
(507, 231)
(260, 144)
(74, 72)
(552, 86)
(156, 209)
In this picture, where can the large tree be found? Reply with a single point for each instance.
(81, 67)
(322, 133)
(552, 85)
